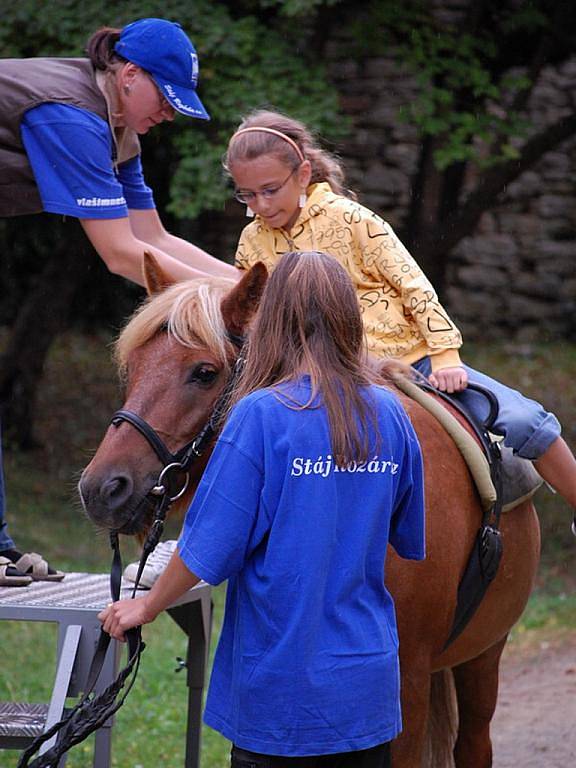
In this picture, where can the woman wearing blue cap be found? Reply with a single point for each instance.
(69, 145)
(69, 140)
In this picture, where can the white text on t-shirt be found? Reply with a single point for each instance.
(324, 466)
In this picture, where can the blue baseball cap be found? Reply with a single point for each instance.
(164, 50)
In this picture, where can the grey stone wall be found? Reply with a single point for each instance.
(516, 276)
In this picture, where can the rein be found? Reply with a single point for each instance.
(91, 712)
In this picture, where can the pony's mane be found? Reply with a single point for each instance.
(189, 311)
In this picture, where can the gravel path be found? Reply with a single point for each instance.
(535, 721)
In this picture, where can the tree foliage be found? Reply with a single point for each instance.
(475, 64)
(474, 71)
(251, 54)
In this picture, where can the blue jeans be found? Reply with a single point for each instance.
(526, 427)
(5, 540)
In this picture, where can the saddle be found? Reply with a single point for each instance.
(502, 479)
(520, 480)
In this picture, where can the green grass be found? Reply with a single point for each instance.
(150, 727)
(549, 611)
(77, 398)
(76, 401)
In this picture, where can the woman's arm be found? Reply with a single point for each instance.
(147, 226)
(69, 151)
(123, 252)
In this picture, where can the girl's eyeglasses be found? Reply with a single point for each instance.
(246, 196)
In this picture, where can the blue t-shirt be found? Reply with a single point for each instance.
(70, 152)
(307, 661)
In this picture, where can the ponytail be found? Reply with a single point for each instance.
(325, 167)
(100, 48)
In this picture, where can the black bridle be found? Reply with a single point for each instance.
(180, 462)
(92, 711)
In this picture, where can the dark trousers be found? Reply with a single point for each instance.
(375, 757)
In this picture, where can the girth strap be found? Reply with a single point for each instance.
(486, 551)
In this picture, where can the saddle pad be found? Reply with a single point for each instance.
(471, 452)
(520, 480)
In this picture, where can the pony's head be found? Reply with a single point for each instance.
(174, 356)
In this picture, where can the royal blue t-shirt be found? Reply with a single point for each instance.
(307, 660)
(70, 152)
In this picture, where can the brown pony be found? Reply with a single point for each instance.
(176, 356)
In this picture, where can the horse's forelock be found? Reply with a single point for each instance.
(196, 320)
(191, 313)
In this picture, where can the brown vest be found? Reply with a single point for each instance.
(27, 83)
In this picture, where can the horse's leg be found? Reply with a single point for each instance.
(407, 748)
(476, 684)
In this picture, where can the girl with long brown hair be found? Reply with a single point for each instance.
(316, 470)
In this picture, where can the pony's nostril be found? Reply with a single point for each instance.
(116, 491)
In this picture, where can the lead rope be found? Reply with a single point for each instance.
(92, 711)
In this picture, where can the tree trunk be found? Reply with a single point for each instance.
(423, 215)
(462, 221)
(43, 314)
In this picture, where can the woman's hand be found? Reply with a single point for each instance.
(449, 379)
(118, 617)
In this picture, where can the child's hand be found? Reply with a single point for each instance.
(118, 617)
(449, 379)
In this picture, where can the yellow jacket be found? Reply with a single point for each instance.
(402, 316)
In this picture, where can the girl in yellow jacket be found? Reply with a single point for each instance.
(295, 191)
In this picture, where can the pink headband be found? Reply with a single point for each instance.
(276, 133)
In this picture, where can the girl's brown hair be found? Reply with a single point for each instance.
(248, 146)
(309, 322)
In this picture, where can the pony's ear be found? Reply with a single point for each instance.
(241, 303)
(155, 279)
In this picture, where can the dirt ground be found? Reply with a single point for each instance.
(535, 721)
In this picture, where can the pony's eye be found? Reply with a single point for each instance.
(202, 374)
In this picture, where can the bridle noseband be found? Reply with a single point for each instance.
(176, 463)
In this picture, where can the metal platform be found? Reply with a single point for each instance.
(76, 590)
(24, 721)
(73, 604)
